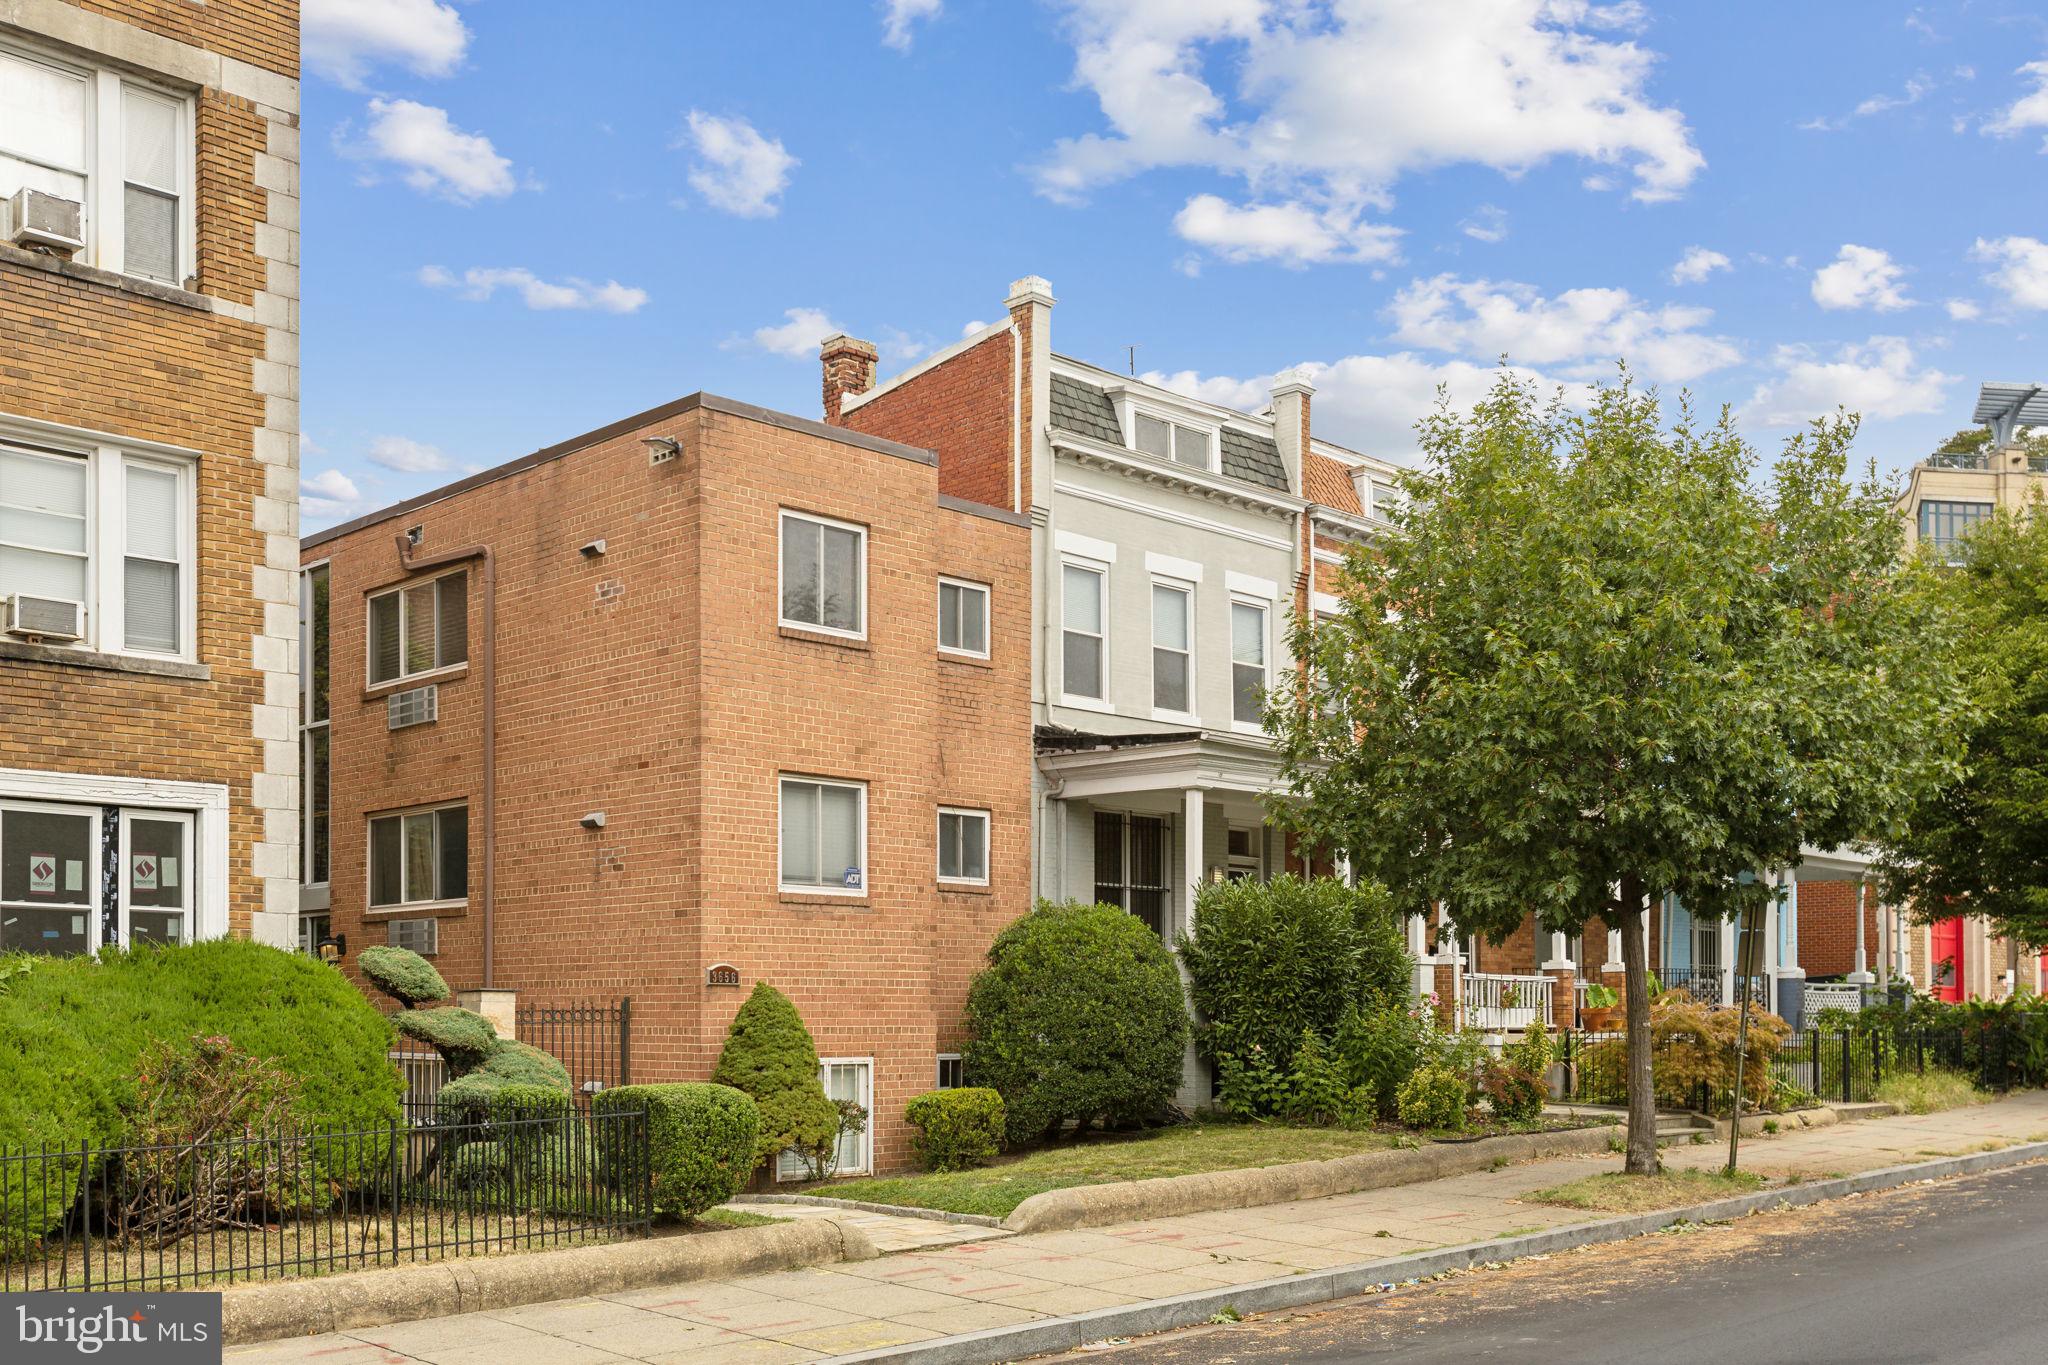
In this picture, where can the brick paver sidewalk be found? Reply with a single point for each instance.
(932, 1292)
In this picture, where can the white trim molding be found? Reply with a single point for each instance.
(1166, 566)
(1084, 547)
(1251, 585)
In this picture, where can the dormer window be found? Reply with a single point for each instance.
(1191, 446)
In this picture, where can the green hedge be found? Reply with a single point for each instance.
(74, 1028)
(956, 1129)
(701, 1141)
(402, 974)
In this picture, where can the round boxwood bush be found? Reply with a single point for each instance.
(703, 1141)
(1432, 1098)
(1078, 1015)
(402, 974)
(956, 1129)
(769, 1055)
(75, 1029)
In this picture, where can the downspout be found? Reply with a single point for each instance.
(488, 671)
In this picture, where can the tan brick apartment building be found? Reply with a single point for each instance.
(148, 472)
(709, 696)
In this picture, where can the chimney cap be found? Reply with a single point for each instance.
(1030, 289)
(840, 343)
(1292, 381)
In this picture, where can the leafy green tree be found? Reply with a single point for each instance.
(1598, 664)
(1980, 843)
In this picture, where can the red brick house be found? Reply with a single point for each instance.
(709, 696)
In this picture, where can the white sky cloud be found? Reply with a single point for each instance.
(1488, 223)
(406, 455)
(1582, 329)
(2019, 269)
(343, 39)
(798, 335)
(899, 17)
(1696, 264)
(1963, 310)
(737, 170)
(1334, 105)
(1916, 89)
(432, 155)
(479, 283)
(1291, 234)
(2029, 111)
(1861, 277)
(329, 495)
(1879, 378)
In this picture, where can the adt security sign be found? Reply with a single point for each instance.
(852, 879)
(117, 1329)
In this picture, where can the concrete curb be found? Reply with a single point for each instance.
(973, 1220)
(1088, 1206)
(377, 1298)
(1321, 1286)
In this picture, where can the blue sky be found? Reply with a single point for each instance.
(526, 220)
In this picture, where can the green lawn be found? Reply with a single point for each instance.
(1618, 1193)
(1184, 1150)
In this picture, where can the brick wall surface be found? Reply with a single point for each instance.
(961, 409)
(262, 33)
(655, 684)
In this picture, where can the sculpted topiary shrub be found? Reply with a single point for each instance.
(956, 1129)
(402, 974)
(481, 1065)
(769, 1055)
(702, 1142)
(1078, 1016)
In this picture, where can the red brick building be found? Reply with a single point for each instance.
(709, 696)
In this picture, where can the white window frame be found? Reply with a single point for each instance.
(782, 882)
(129, 815)
(106, 533)
(987, 851)
(866, 1138)
(405, 909)
(403, 678)
(1187, 590)
(95, 906)
(314, 897)
(102, 215)
(1264, 605)
(787, 515)
(1101, 569)
(1159, 413)
(987, 616)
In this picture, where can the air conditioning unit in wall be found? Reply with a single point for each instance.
(42, 618)
(43, 222)
(418, 706)
(422, 936)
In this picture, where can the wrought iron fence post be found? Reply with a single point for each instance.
(85, 1209)
(626, 1040)
(395, 1177)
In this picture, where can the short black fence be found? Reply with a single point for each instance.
(1836, 1064)
(309, 1202)
(594, 1040)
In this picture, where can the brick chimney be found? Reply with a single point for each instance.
(849, 365)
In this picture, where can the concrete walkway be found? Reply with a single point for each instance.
(937, 1291)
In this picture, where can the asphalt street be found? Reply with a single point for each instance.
(1955, 1272)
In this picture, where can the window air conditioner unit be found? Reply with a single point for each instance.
(419, 706)
(422, 936)
(43, 222)
(44, 618)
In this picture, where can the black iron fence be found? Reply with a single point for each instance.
(1837, 1064)
(594, 1040)
(75, 1216)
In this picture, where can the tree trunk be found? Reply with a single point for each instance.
(1642, 1090)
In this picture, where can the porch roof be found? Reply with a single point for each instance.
(1092, 765)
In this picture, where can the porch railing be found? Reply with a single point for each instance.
(1505, 1003)
(1831, 995)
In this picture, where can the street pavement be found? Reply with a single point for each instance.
(921, 1293)
(1949, 1272)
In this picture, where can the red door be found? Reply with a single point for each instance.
(1946, 938)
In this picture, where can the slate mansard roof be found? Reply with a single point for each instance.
(1087, 411)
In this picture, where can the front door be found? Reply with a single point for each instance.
(1946, 940)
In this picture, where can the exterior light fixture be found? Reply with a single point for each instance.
(332, 949)
(661, 449)
(594, 820)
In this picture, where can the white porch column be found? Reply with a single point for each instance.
(1424, 980)
(1344, 873)
(1731, 951)
(1885, 953)
(1191, 841)
(1861, 976)
(1613, 962)
(1559, 961)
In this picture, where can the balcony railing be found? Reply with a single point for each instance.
(1959, 459)
(1500, 1003)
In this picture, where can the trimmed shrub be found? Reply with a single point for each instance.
(402, 974)
(1434, 1097)
(1267, 960)
(463, 1037)
(75, 1029)
(956, 1129)
(1079, 1015)
(524, 1065)
(483, 1098)
(1514, 1093)
(769, 1055)
(703, 1141)
(1381, 1046)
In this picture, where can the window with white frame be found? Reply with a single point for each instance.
(156, 885)
(419, 628)
(824, 835)
(419, 857)
(1083, 630)
(824, 575)
(963, 845)
(120, 149)
(55, 883)
(847, 1080)
(1248, 679)
(1173, 670)
(963, 617)
(1193, 446)
(315, 842)
(107, 530)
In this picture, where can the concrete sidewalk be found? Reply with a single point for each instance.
(992, 1282)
